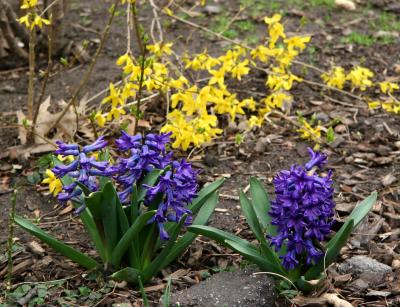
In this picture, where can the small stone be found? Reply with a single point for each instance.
(396, 264)
(346, 4)
(322, 117)
(397, 144)
(388, 180)
(340, 128)
(349, 159)
(379, 128)
(261, 144)
(338, 140)
(212, 9)
(239, 288)
(360, 264)
(35, 248)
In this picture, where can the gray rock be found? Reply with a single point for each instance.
(361, 264)
(262, 144)
(233, 289)
(322, 117)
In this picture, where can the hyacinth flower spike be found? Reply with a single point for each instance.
(82, 170)
(291, 229)
(302, 211)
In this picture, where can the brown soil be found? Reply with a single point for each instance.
(367, 153)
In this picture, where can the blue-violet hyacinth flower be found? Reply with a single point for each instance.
(178, 184)
(83, 169)
(302, 211)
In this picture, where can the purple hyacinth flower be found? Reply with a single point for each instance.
(302, 211)
(100, 143)
(318, 159)
(82, 169)
(158, 141)
(126, 141)
(66, 149)
(61, 170)
(177, 185)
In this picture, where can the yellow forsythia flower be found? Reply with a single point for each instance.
(160, 48)
(100, 118)
(28, 4)
(360, 78)
(308, 132)
(388, 87)
(255, 121)
(55, 185)
(335, 78)
(374, 104)
(31, 20)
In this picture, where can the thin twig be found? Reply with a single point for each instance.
(10, 241)
(31, 85)
(139, 95)
(156, 22)
(48, 7)
(333, 89)
(90, 69)
(46, 75)
(137, 30)
(128, 28)
(233, 20)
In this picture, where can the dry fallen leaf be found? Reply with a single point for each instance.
(66, 127)
(346, 4)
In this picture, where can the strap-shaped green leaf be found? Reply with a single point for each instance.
(204, 193)
(251, 217)
(127, 238)
(221, 236)
(362, 209)
(62, 248)
(93, 203)
(332, 250)
(127, 274)
(90, 226)
(202, 218)
(156, 265)
(109, 217)
(261, 205)
(263, 262)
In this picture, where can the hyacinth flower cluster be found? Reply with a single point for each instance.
(84, 169)
(178, 183)
(134, 207)
(302, 211)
